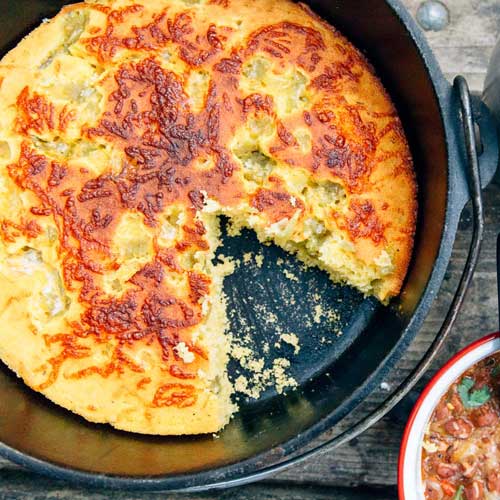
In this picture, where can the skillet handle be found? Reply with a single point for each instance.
(474, 181)
(488, 133)
(487, 137)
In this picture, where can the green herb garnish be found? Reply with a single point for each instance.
(496, 371)
(470, 398)
(459, 495)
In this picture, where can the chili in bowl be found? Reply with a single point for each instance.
(451, 445)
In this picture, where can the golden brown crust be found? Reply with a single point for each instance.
(153, 127)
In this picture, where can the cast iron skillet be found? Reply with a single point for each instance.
(334, 376)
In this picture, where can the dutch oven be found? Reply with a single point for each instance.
(453, 139)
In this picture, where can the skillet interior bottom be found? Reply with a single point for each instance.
(334, 375)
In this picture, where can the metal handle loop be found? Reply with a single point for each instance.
(461, 87)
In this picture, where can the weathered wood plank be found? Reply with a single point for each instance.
(22, 485)
(473, 23)
(466, 44)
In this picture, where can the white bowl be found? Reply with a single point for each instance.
(410, 486)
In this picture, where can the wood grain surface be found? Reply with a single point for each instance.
(366, 467)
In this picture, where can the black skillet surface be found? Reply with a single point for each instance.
(339, 363)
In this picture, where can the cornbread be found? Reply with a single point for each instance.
(127, 128)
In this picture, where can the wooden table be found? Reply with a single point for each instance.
(366, 468)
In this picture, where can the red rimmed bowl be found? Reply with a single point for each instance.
(410, 485)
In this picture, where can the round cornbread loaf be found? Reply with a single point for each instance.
(126, 130)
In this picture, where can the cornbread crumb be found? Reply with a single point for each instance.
(256, 365)
(241, 353)
(259, 260)
(229, 263)
(184, 353)
(318, 313)
(292, 339)
(269, 316)
(283, 381)
(331, 316)
(258, 377)
(276, 377)
(290, 275)
(247, 257)
(241, 384)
